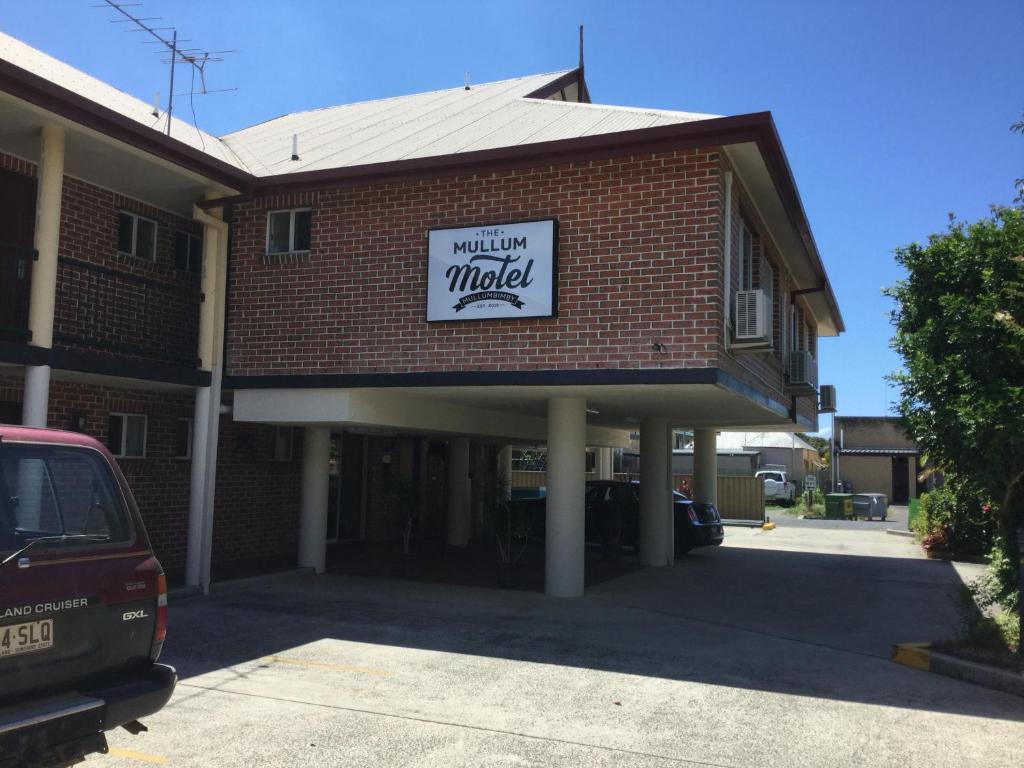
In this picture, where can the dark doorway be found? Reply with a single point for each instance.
(10, 412)
(434, 489)
(17, 231)
(345, 499)
(900, 480)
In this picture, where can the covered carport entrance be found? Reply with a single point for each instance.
(566, 417)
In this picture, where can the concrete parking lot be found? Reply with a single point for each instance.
(770, 651)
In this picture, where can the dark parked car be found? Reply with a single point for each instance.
(83, 601)
(613, 518)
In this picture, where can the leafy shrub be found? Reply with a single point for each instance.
(955, 518)
(990, 604)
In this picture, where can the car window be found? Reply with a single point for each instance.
(50, 491)
(772, 476)
(597, 493)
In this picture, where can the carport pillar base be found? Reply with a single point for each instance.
(566, 476)
(316, 456)
(37, 396)
(459, 497)
(656, 543)
(705, 466)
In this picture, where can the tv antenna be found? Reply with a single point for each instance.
(197, 58)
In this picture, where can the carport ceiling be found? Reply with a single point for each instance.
(620, 406)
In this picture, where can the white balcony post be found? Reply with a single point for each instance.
(44, 271)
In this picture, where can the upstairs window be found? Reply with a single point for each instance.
(746, 261)
(136, 236)
(188, 252)
(288, 231)
(126, 438)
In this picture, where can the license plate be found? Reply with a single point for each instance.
(25, 638)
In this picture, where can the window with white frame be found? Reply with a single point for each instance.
(126, 437)
(289, 231)
(798, 329)
(188, 252)
(183, 439)
(746, 260)
(282, 444)
(136, 236)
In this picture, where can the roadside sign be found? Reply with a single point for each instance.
(810, 483)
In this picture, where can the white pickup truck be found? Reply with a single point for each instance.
(777, 486)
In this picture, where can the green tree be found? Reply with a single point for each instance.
(960, 331)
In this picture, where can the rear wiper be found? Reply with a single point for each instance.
(54, 540)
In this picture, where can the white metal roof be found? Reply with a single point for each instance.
(487, 116)
(64, 75)
(438, 123)
(730, 440)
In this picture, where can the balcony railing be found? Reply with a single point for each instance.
(106, 310)
(15, 289)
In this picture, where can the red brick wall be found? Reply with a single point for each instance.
(760, 369)
(257, 502)
(146, 310)
(639, 264)
(159, 482)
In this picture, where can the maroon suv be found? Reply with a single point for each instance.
(83, 601)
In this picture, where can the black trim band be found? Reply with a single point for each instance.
(544, 378)
(103, 365)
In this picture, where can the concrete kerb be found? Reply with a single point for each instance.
(898, 532)
(921, 656)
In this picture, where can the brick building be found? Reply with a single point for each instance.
(876, 455)
(276, 304)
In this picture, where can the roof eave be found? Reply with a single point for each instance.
(770, 146)
(67, 104)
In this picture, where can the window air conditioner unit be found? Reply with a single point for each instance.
(803, 370)
(753, 317)
(827, 398)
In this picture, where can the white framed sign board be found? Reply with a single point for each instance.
(494, 271)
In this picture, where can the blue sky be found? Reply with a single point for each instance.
(893, 114)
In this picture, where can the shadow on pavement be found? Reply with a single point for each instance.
(815, 625)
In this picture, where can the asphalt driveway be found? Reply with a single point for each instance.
(772, 650)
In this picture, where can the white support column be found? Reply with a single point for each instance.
(206, 420)
(316, 458)
(564, 519)
(197, 488)
(37, 396)
(44, 271)
(656, 546)
(705, 467)
(605, 464)
(459, 518)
